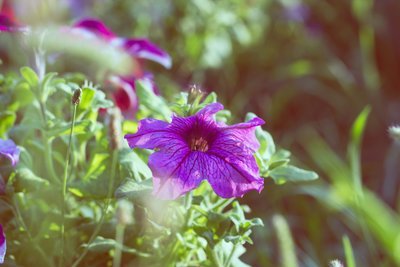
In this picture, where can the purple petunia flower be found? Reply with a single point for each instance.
(125, 93)
(3, 245)
(196, 148)
(9, 150)
(136, 47)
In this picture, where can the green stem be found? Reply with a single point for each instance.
(64, 187)
(119, 238)
(105, 208)
(228, 260)
(215, 259)
(219, 206)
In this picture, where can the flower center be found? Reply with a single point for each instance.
(198, 144)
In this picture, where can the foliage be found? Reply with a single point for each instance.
(201, 229)
(322, 74)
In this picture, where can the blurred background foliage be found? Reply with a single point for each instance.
(324, 74)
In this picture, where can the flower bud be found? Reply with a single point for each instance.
(76, 97)
(195, 94)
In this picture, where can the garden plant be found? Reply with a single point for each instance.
(199, 133)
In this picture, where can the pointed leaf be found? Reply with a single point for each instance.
(26, 180)
(30, 76)
(133, 189)
(291, 173)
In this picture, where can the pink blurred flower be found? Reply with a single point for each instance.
(139, 48)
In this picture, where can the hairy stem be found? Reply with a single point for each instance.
(119, 238)
(229, 259)
(215, 259)
(64, 187)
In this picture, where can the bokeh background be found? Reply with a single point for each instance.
(308, 68)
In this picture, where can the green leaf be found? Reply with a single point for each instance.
(64, 128)
(133, 189)
(25, 158)
(211, 98)
(280, 158)
(101, 244)
(7, 120)
(267, 145)
(223, 116)
(30, 76)
(93, 99)
(133, 165)
(291, 173)
(228, 250)
(46, 87)
(348, 252)
(97, 165)
(87, 98)
(26, 180)
(22, 94)
(359, 126)
(100, 101)
(152, 101)
(286, 244)
(95, 182)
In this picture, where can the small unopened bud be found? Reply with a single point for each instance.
(76, 98)
(195, 94)
(114, 126)
(124, 212)
(394, 132)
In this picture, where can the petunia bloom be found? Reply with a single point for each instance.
(124, 93)
(8, 22)
(137, 47)
(9, 150)
(192, 149)
(3, 245)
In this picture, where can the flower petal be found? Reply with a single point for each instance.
(149, 78)
(244, 133)
(125, 95)
(143, 48)
(8, 25)
(96, 27)
(232, 176)
(152, 134)
(9, 150)
(232, 152)
(176, 171)
(209, 110)
(3, 245)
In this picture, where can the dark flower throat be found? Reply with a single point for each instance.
(198, 144)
